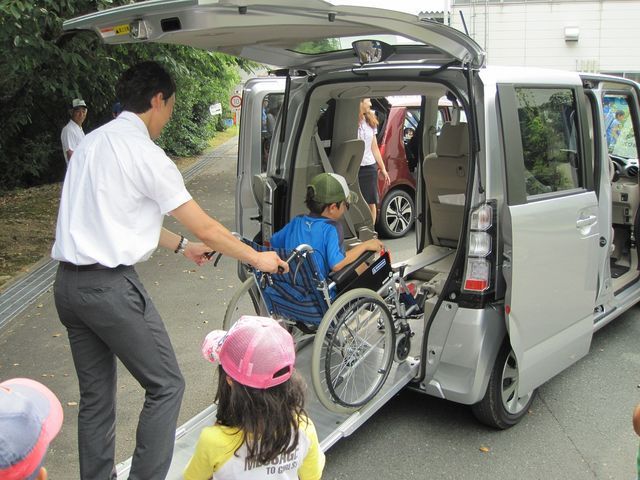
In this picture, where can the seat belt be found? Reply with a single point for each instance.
(328, 168)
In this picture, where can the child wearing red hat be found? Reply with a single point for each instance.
(30, 418)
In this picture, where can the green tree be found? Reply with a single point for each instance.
(42, 68)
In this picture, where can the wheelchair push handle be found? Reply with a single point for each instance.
(300, 251)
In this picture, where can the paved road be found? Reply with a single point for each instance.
(579, 427)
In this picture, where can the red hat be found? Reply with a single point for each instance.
(30, 417)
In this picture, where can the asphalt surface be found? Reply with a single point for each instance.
(579, 426)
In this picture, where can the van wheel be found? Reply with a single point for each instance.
(501, 408)
(397, 214)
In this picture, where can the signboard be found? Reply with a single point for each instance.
(215, 109)
(235, 102)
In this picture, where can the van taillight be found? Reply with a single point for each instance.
(477, 275)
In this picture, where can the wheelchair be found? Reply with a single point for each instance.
(357, 323)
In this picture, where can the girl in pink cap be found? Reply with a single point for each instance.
(262, 430)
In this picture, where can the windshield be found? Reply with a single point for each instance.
(327, 45)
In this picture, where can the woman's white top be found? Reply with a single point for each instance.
(366, 133)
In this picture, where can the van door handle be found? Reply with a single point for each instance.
(587, 221)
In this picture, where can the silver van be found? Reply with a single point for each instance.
(526, 220)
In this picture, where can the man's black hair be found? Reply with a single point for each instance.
(140, 83)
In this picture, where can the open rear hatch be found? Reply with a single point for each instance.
(283, 33)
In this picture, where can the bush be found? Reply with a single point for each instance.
(42, 69)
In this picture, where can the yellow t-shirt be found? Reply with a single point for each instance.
(214, 457)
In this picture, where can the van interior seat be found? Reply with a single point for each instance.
(345, 159)
(445, 175)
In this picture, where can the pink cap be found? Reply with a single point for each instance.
(256, 352)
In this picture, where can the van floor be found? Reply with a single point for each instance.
(618, 270)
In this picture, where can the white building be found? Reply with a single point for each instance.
(595, 36)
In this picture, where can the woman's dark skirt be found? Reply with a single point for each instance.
(368, 179)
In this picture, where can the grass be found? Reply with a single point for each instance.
(28, 220)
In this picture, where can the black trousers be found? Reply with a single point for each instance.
(109, 314)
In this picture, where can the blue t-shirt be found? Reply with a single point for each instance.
(323, 234)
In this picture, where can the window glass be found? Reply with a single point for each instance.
(548, 127)
(411, 136)
(327, 45)
(621, 139)
(271, 105)
(411, 119)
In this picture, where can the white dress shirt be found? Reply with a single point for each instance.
(115, 193)
(71, 136)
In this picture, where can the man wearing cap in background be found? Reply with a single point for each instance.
(30, 418)
(72, 133)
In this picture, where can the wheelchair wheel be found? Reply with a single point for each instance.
(353, 351)
(245, 301)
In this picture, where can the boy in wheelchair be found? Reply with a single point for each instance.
(354, 318)
(328, 198)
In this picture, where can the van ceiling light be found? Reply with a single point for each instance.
(571, 34)
(332, 16)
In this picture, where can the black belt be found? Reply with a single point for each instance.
(86, 268)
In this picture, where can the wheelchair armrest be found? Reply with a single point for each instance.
(348, 273)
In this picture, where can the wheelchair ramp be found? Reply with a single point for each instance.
(331, 427)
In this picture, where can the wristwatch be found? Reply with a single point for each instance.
(181, 245)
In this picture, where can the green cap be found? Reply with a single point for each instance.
(331, 188)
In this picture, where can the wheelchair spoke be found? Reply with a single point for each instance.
(352, 359)
(354, 372)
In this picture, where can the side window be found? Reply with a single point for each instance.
(411, 119)
(621, 139)
(271, 105)
(411, 136)
(325, 124)
(548, 128)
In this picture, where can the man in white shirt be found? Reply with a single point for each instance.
(115, 194)
(72, 133)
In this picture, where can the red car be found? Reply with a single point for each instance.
(397, 116)
(399, 121)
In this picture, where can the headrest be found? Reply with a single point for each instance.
(453, 140)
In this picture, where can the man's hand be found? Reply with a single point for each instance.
(270, 262)
(197, 252)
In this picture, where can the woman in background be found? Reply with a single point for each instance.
(371, 160)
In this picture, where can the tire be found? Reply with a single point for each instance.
(245, 301)
(353, 351)
(500, 408)
(397, 214)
